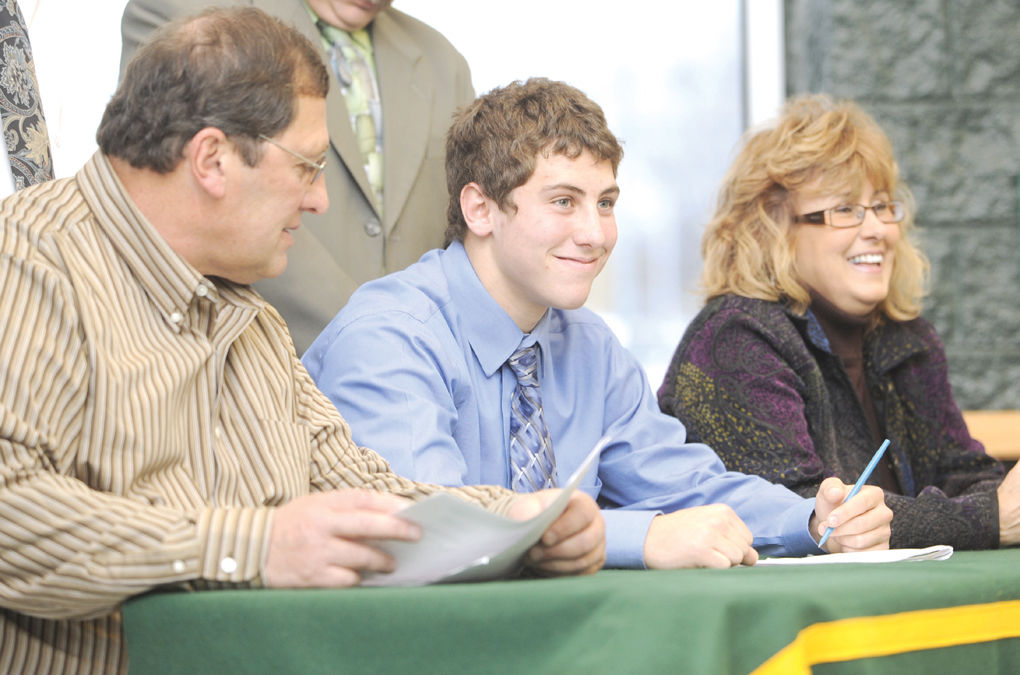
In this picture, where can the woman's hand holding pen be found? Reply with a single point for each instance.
(861, 523)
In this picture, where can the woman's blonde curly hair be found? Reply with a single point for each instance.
(817, 144)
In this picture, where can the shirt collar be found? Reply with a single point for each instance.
(815, 331)
(490, 331)
(171, 283)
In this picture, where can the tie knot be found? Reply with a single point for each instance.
(524, 363)
(356, 45)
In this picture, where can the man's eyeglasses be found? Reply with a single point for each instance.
(852, 215)
(315, 169)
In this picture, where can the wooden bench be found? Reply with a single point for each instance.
(998, 431)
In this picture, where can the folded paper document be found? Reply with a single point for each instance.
(463, 542)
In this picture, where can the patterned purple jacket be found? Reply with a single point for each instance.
(761, 386)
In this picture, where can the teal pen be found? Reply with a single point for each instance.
(857, 486)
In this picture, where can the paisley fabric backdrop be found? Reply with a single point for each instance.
(24, 128)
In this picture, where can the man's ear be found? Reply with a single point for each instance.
(478, 210)
(209, 155)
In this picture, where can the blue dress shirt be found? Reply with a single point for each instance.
(416, 364)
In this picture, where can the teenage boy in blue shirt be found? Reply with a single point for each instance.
(417, 361)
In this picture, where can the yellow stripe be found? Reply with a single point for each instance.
(869, 636)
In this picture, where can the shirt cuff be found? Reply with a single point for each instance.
(626, 532)
(235, 543)
(794, 537)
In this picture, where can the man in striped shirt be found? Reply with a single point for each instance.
(156, 426)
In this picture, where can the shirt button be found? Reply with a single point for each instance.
(373, 228)
(202, 291)
(176, 318)
(228, 565)
(178, 566)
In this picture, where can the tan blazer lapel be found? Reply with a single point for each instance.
(405, 108)
(341, 137)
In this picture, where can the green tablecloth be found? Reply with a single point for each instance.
(696, 621)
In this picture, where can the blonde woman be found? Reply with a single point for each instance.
(811, 350)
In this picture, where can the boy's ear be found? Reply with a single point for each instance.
(477, 209)
(207, 154)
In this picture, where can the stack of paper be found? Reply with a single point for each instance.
(940, 552)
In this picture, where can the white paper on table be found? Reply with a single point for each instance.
(461, 541)
(940, 552)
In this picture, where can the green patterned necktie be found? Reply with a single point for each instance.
(351, 58)
(28, 145)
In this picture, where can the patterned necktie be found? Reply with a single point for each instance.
(531, 454)
(351, 58)
(28, 145)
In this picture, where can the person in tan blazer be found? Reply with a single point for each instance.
(422, 80)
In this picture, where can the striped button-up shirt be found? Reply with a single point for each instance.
(151, 419)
